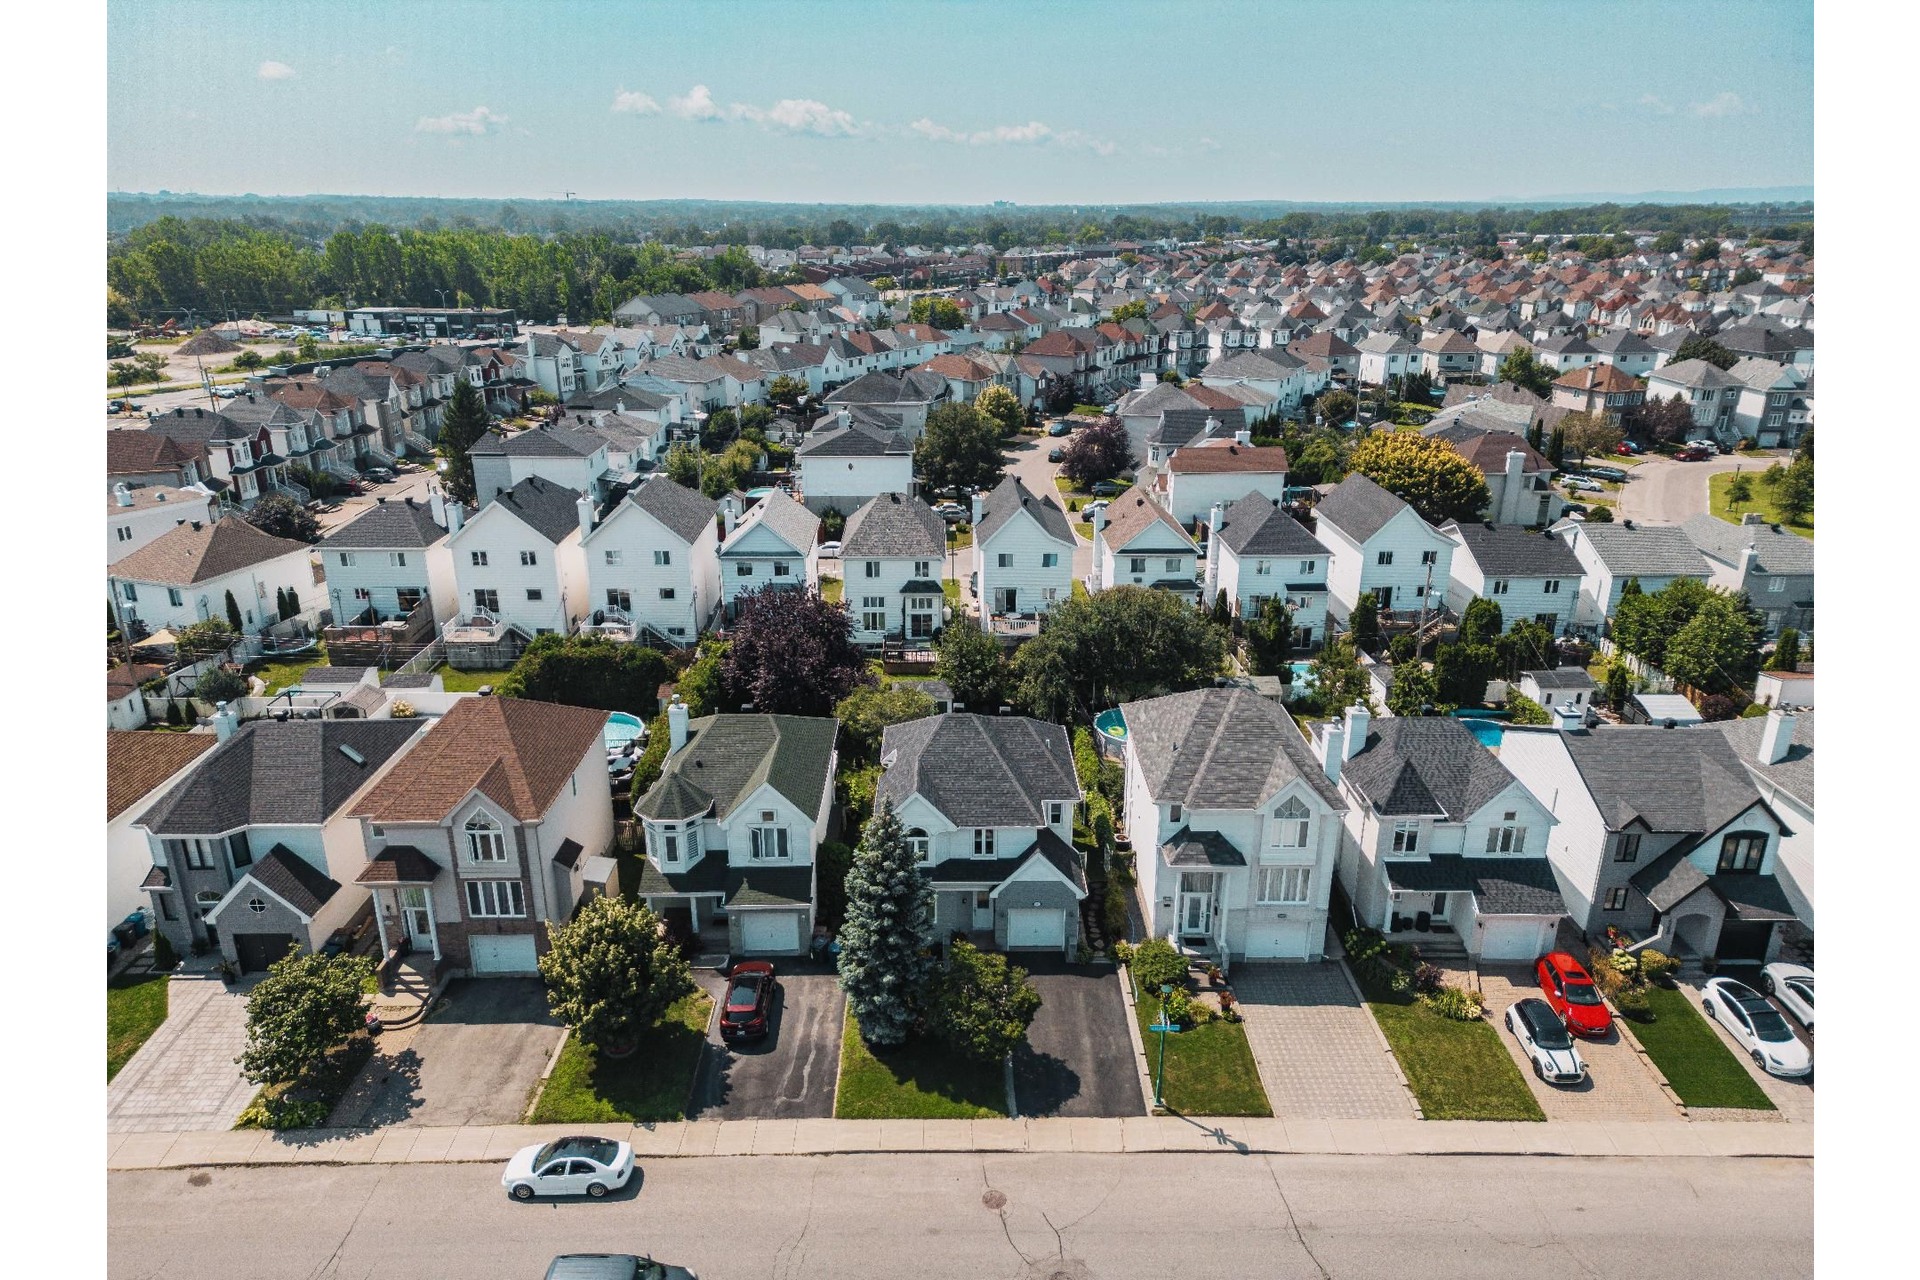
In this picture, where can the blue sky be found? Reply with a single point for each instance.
(961, 101)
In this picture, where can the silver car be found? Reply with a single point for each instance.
(1546, 1041)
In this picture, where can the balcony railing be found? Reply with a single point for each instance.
(477, 627)
(610, 624)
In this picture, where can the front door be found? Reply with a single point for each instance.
(1004, 599)
(982, 910)
(1196, 904)
(413, 903)
(1439, 910)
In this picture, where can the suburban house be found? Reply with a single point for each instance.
(900, 399)
(1446, 353)
(733, 826)
(841, 467)
(775, 544)
(566, 456)
(891, 552)
(1442, 838)
(1137, 543)
(653, 565)
(1709, 392)
(140, 767)
(136, 517)
(1772, 565)
(1255, 552)
(1569, 687)
(1624, 350)
(255, 851)
(138, 459)
(987, 804)
(1382, 548)
(1236, 826)
(388, 561)
(518, 567)
(1764, 407)
(1777, 752)
(126, 704)
(1384, 356)
(1529, 573)
(1611, 555)
(187, 574)
(1662, 834)
(1599, 389)
(491, 830)
(1022, 552)
(1519, 479)
(1202, 475)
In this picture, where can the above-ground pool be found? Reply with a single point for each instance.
(1112, 724)
(621, 729)
(1485, 725)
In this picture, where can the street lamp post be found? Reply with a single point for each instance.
(1163, 1028)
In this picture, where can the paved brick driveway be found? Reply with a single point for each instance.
(1794, 1098)
(184, 1076)
(1619, 1084)
(1320, 1055)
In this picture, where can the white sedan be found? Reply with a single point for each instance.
(1545, 1041)
(569, 1167)
(1792, 986)
(1757, 1027)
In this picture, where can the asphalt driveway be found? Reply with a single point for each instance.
(473, 1062)
(791, 1074)
(1078, 1059)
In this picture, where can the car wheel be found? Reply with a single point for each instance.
(1766, 983)
(522, 1191)
(597, 1190)
(1540, 1071)
(1706, 1007)
(1758, 1060)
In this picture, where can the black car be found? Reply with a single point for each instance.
(613, 1266)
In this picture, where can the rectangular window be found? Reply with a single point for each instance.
(486, 600)
(127, 592)
(1406, 837)
(1628, 850)
(1508, 837)
(872, 569)
(923, 568)
(399, 559)
(124, 533)
(744, 571)
(1499, 586)
(1173, 564)
(1285, 885)
(873, 620)
(1173, 812)
(362, 593)
(1385, 557)
(1774, 585)
(1429, 557)
(618, 599)
(533, 593)
(1005, 560)
(480, 559)
(782, 569)
(666, 593)
(983, 842)
(1049, 559)
(1617, 898)
(670, 849)
(1742, 851)
(1262, 568)
(612, 557)
(770, 844)
(346, 559)
(1056, 813)
(198, 855)
(174, 597)
(663, 557)
(1309, 566)
(238, 851)
(528, 558)
(495, 898)
(1137, 564)
(1551, 586)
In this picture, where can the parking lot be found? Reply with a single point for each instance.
(1078, 1059)
(791, 1074)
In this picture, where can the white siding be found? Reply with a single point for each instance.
(854, 480)
(256, 590)
(1191, 496)
(376, 571)
(1358, 570)
(557, 572)
(692, 572)
(1023, 538)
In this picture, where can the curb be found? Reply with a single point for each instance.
(1133, 1035)
(1646, 1059)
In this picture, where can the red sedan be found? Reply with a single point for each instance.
(748, 1011)
(1570, 990)
(1691, 455)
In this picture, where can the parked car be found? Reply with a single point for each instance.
(1582, 484)
(830, 550)
(1060, 428)
(1691, 454)
(1105, 489)
(1056, 455)
(1570, 991)
(1711, 446)
(378, 475)
(748, 1011)
(1606, 473)
(613, 1266)
(1628, 448)
(1573, 509)
(1757, 1027)
(1097, 505)
(951, 512)
(1544, 1039)
(1792, 986)
(571, 1166)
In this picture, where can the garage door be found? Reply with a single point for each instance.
(258, 950)
(509, 953)
(1744, 941)
(1511, 940)
(1037, 927)
(769, 933)
(1279, 940)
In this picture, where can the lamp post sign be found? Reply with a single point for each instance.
(1164, 1028)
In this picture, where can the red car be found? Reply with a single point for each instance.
(748, 1010)
(1692, 455)
(1570, 990)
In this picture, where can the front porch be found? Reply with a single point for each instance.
(1489, 909)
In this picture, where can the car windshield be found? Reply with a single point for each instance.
(740, 1013)
(1582, 993)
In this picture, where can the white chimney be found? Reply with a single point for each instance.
(225, 721)
(1214, 519)
(1568, 718)
(1777, 738)
(676, 725)
(437, 507)
(1333, 751)
(122, 496)
(1243, 436)
(583, 507)
(456, 517)
(1147, 379)
(979, 510)
(1358, 721)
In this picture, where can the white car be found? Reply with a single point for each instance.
(1709, 445)
(829, 551)
(1582, 484)
(1757, 1027)
(1546, 1041)
(1792, 986)
(572, 1166)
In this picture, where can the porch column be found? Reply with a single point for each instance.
(433, 923)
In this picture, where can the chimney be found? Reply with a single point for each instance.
(1147, 379)
(1214, 519)
(437, 507)
(1213, 425)
(1568, 718)
(456, 517)
(122, 496)
(1753, 517)
(1243, 436)
(226, 720)
(676, 725)
(979, 509)
(583, 506)
(1333, 750)
(1777, 737)
(1358, 720)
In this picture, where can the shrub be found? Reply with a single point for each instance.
(1178, 1004)
(1632, 1002)
(217, 684)
(1113, 912)
(1655, 966)
(165, 958)
(1367, 951)
(1401, 982)
(1456, 1003)
(1121, 951)
(1428, 978)
(1156, 964)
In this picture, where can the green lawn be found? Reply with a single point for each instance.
(454, 680)
(653, 1084)
(136, 1006)
(951, 587)
(1693, 1058)
(1084, 528)
(284, 675)
(1762, 502)
(1458, 1070)
(832, 589)
(922, 1080)
(1210, 1068)
(959, 539)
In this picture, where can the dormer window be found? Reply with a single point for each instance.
(486, 842)
(1290, 822)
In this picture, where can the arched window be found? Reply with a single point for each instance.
(207, 899)
(921, 846)
(1290, 822)
(485, 842)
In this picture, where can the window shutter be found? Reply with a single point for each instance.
(756, 842)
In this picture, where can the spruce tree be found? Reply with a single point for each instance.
(465, 422)
(233, 612)
(889, 922)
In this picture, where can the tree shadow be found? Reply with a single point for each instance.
(386, 1092)
(1043, 1083)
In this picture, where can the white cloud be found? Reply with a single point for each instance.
(804, 115)
(697, 104)
(1656, 104)
(271, 70)
(635, 104)
(1031, 133)
(480, 120)
(1721, 105)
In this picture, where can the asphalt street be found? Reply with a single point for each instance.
(1662, 491)
(1024, 1217)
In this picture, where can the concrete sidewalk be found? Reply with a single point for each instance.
(493, 1144)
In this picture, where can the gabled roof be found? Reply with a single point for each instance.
(1779, 550)
(1359, 508)
(787, 519)
(139, 762)
(1426, 765)
(979, 771)
(135, 452)
(1255, 526)
(1509, 551)
(1225, 457)
(1221, 749)
(1695, 375)
(543, 506)
(1488, 450)
(1793, 774)
(398, 525)
(729, 757)
(894, 525)
(855, 440)
(1012, 496)
(548, 440)
(283, 773)
(1672, 780)
(1598, 378)
(1133, 513)
(1632, 550)
(685, 511)
(890, 388)
(292, 879)
(516, 752)
(198, 552)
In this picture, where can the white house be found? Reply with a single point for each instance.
(1777, 752)
(845, 466)
(518, 566)
(1611, 555)
(564, 455)
(1022, 552)
(987, 803)
(774, 545)
(1136, 543)
(1381, 547)
(1440, 837)
(1709, 392)
(891, 552)
(187, 574)
(1530, 574)
(1200, 476)
(1384, 356)
(136, 517)
(389, 559)
(489, 832)
(733, 826)
(1236, 827)
(653, 564)
(1257, 552)
(140, 767)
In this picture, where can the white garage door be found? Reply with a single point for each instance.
(769, 932)
(1279, 940)
(1511, 939)
(508, 953)
(1036, 927)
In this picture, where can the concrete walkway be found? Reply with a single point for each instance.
(184, 1076)
(492, 1144)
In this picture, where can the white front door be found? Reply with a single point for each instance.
(982, 909)
(1196, 903)
(413, 905)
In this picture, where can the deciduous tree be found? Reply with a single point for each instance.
(1426, 472)
(306, 1006)
(1338, 679)
(1524, 369)
(1001, 407)
(1413, 691)
(1698, 346)
(1665, 418)
(792, 653)
(1124, 643)
(611, 973)
(282, 517)
(589, 671)
(1097, 451)
(960, 448)
(865, 714)
(973, 665)
(979, 1004)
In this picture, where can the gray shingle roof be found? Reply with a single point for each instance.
(683, 510)
(980, 771)
(399, 525)
(1189, 848)
(1672, 780)
(769, 886)
(1794, 773)
(1255, 526)
(856, 440)
(894, 525)
(1012, 496)
(294, 880)
(1220, 749)
(1561, 678)
(791, 521)
(1359, 507)
(1509, 551)
(543, 506)
(274, 772)
(1426, 765)
(1696, 374)
(728, 757)
(1639, 550)
(1780, 551)
(545, 441)
(1500, 886)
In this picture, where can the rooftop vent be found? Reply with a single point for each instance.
(352, 755)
